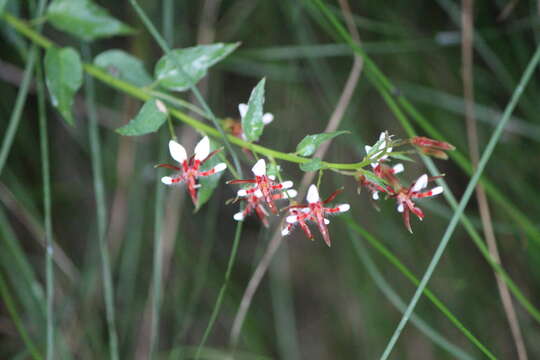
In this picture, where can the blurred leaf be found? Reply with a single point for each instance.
(2, 5)
(312, 165)
(373, 178)
(401, 156)
(195, 62)
(123, 66)
(84, 19)
(273, 169)
(209, 183)
(252, 123)
(63, 70)
(310, 143)
(148, 120)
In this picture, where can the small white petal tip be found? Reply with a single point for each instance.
(326, 221)
(177, 151)
(242, 109)
(258, 193)
(344, 207)
(437, 190)
(285, 232)
(241, 192)
(239, 216)
(375, 195)
(202, 150)
(420, 183)
(161, 106)
(167, 180)
(313, 194)
(220, 167)
(259, 169)
(367, 148)
(291, 219)
(400, 208)
(291, 193)
(398, 168)
(267, 118)
(287, 184)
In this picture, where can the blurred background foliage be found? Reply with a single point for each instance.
(316, 302)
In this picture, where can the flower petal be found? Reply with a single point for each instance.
(177, 151)
(420, 183)
(202, 150)
(259, 169)
(313, 194)
(242, 109)
(267, 118)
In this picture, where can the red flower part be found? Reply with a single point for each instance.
(405, 198)
(264, 185)
(190, 171)
(383, 172)
(425, 142)
(256, 203)
(313, 211)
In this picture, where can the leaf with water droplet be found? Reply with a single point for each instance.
(252, 122)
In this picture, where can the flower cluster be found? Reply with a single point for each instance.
(260, 193)
(390, 185)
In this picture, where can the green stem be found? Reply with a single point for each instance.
(377, 245)
(46, 178)
(221, 294)
(167, 50)
(101, 211)
(10, 306)
(464, 200)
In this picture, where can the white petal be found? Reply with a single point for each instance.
(367, 148)
(344, 207)
(400, 208)
(291, 193)
(272, 177)
(259, 169)
(285, 231)
(161, 106)
(258, 193)
(220, 167)
(389, 150)
(375, 195)
(382, 136)
(313, 194)
(292, 219)
(287, 184)
(202, 150)
(241, 192)
(167, 180)
(267, 118)
(239, 216)
(177, 151)
(398, 168)
(420, 183)
(437, 190)
(326, 221)
(242, 109)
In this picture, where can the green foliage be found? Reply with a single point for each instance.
(310, 143)
(312, 165)
(195, 62)
(84, 19)
(148, 120)
(63, 70)
(209, 183)
(252, 122)
(123, 66)
(2, 5)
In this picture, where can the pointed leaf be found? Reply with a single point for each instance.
(312, 165)
(123, 66)
(149, 119)
(195, 62)
(252, 122)
(84, 19)
(310, 143)
(209, 183)
(373, 178)
(63, 71)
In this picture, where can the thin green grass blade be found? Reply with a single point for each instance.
(464, 200)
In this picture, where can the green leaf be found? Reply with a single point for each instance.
(123, 66)
(252, 122)
(273, 169)
(148, 120)
(373, 178)
(64, 75)
(209, 183)
(194, 61)
(84, 19)
(310, 143)
(400, 156)
(2, 5)
(312, 165)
